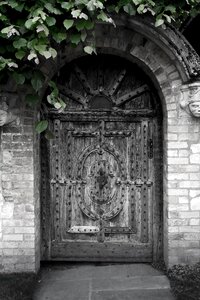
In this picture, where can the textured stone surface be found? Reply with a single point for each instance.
(120, 281)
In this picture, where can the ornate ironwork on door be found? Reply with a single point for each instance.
(101, 193)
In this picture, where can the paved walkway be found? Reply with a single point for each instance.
(102, 282)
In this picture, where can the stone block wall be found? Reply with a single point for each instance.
(19, 213)
(183, 189)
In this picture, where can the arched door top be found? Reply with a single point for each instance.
(106, 83)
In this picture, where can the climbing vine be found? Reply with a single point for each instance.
(31, 31)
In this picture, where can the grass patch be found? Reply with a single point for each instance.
(17, 286)
(185, 281)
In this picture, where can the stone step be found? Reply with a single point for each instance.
(131, 283)
(133, 295)
(79, 272)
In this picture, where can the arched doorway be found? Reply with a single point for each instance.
(102, 174)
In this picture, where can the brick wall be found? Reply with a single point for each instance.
(19, 198)
(184, 189)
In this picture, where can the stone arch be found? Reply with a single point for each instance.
(172, 64)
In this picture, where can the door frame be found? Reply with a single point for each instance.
(157, 209)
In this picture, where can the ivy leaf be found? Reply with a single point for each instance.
(12, 64)
(20, 43)
(159, 22)
(20, 54)
(19, 7)
(2, 64)
(35, 19)
(11, 3)
(89, 49)
(152, 3)
(59, 36)
(32, 55)
(7, 29)
(53, 86)
(102, 16)
(68, 23)
(75, 38)
(3, 17)
(141, 9)
(40, 48)
(76, 13)
(67, 5)
(94, 4)
(53, 52)
(57, 105)
(83, 35)
(129, 9)
(136, 2)
(46, 54)
(80, 25)
(19, 78)
(89, 24)
(83, 16)
(43, 28)
(37, 81)
(50, 21)
(41, 126)
(52, 9)
(50, 99)
(168, 18)
(29, 24)
(170, 8)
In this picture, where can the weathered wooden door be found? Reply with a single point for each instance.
(101, 191)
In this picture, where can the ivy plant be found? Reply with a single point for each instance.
(31, 31)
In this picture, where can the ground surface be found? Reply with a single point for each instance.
(103, 282)
(17, 286)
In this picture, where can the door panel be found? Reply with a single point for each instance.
(101, 187)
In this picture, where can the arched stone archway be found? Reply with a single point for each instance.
(172, 64)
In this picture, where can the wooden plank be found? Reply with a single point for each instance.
(86, 251)
(132, 94)
(117, 82)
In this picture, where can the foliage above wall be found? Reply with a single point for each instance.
(31, 31)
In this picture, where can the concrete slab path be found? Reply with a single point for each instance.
(102, 282)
